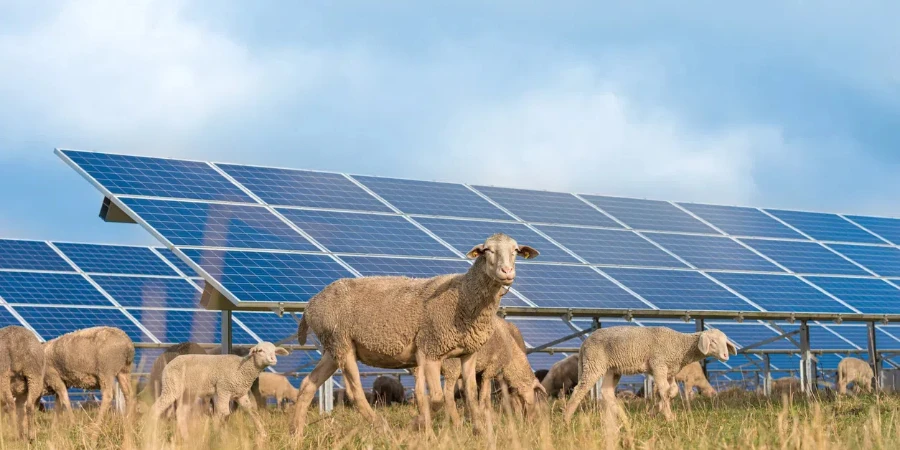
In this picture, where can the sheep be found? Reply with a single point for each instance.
(785, 386)
(342, 399)
(21, 356)
(562, 377)
(184, 348)
(540, 374)
(502, 355)
(221, 377)
(400, 322)
(659, 351)
(388, 390)
(273, 385)
(254, 388)
(856, 371)
(692, 376)
(91, 358)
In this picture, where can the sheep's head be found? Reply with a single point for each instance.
(266, 354)
(499, 254)
(715, 343)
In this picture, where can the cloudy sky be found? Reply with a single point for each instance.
(791, 104)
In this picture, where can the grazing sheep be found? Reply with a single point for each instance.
(388, 390)
(692, 376)
(856, 371)
(562, 377)
(342, 399)
(21, 356)
(400, 322)
(254, 388)
(785, 386)
(273, 385)
(659, 351)
(184, 348)
(91, 358)
(540, 374)
(221, 377)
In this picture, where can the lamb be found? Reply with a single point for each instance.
(856, 371)
(91, 358)
(388, 390)
(400, 322)
(273, 385)
(21, 356)
(692, 376)
(220, 377)
(184, 348)
(659, 351)
(254, 389)
(562, 377)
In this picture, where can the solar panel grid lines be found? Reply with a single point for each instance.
(740, 221)
(571, 286)
(805, 257)
(683, 290)
(546, 207)
(782, 293)
(712, 252)
(609, 247)
(30, 255)
(179, 266)
(879, 260)
(116, 259)
(49, 322)
(866, 295)
(649, 215)
(825, 226)
(883, 227)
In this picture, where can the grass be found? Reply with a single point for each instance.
(730, 421)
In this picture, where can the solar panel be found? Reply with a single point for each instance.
(805, 257)
(30, 255)
(820, 338)
(432, 198)
(741, 221)
(867, 295)
(465, 234)
(172, 327)
(170, 256)
(668, 289)
(712, 252)
(264, 276)
(571, 286)
(884, 261)
(269, 327)
(547, 207)
(157, 177)
(747, 334)
(300, 360)
(366, 233)
(218, 225)
(782, 293)
(679, 326)
(611, 247)
(649, 214)
(7, 319)
(858, 334)
(52, 322)
(537, 332)
(825, 227)
(544, 361)
(882, 226)
(39, 288)
(94, 258)
(145, 292)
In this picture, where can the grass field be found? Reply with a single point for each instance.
(735, 421)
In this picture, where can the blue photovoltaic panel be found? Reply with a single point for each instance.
(172, 327)
(269, 327)
(218, 225)
(94, 258)
(145, 292)
(544, 361)
(571, 286)
(366, 233)
(869, 295)
(890, 334)
(782, 293)
(156, 177)
(884, 261)
(49, 289)
(805, 257)
(432, 198)
(263, 276)
(670, 289)
(785, 362)
(677, 325)
(713, 252)
(649, 214)
(882, 226)
(741, 221)
(859, 335)
(825, 227)
(750, 333)
(548, 207)
(611, 247)
(144, 359)
(465, 234)
(52, 322)
(537, 332)
(820, 338)
(304, 188)
(30, 255)
(170, 256)
(7, 319)
(416, 268)
(300, 361)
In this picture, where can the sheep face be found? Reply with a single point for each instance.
(266, 353)
(499, 253)
(715, 343)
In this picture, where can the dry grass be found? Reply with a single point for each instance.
(731, 421)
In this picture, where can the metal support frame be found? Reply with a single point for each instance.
(807, 361)
(595, 325)
(559, 341)
(874, 357)
(767, 375)
(326, 396)
(700, 326)
(226, 332)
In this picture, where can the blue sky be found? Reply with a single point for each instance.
(788, 104)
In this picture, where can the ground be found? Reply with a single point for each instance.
(736, 421)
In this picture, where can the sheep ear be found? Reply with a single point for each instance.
(731, 348)
(703, 345)
(281, 351)
(476, 251)
(528, 252)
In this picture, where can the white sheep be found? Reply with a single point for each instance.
(221, 377)
(400, 322)
(692, 376)
(21, 358)
(658, 351)
(277, 386)
(562, 377)
(856, 371)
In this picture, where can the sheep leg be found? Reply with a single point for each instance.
(424, 418)
(587, 379)
(484, 393)
(106, 395)
(661, 377)
(52, 379)
(250, 407)
(35, 389)
(435, 390)
(182, 412)
(450, 379)
(9, 402)
(350, 370)
(323, 370)
(468, 376)
(124, 380)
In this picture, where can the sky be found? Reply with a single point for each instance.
(789, 104)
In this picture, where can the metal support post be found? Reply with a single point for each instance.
(119, 399)
(648, 386)
(595, 391)
(701, 325)
(226, 332)
(767, 375)
(326, 396)
(874, 357)
(807, 365)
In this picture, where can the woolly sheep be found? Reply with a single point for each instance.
(277, 386)
(856, 371)
(184, 348)
(388, 390)
(91, 358)
(400, 322)
(785, 386)
(254, 389)
(21, 356)
(692, 376)
(342, 399)
(221, 377)
(562, 377)
(659, 351)
(540, 374)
